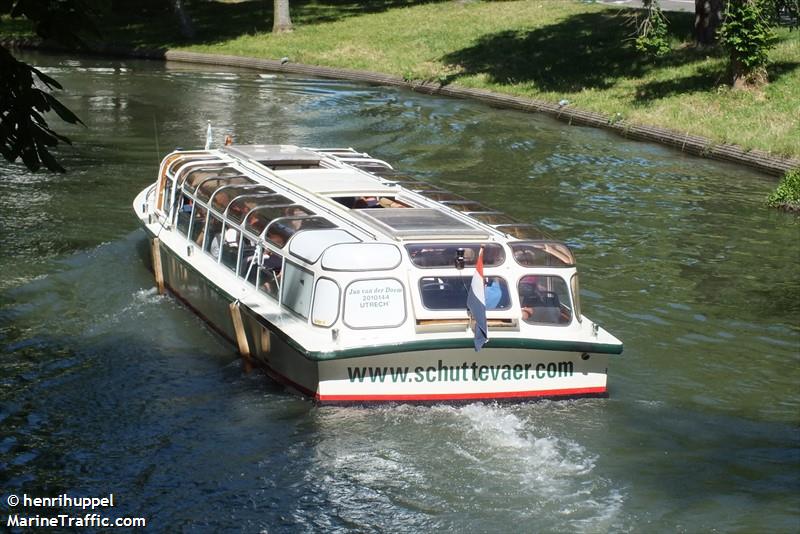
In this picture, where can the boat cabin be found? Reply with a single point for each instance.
(339, 239)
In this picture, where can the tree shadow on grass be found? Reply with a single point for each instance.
(706, 79)
(587, 50)
(153, 23)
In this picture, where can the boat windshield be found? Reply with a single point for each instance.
(450, 292)
(542, 254)
(544, 300)
(454, 255)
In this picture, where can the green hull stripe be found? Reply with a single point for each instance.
(409, 346)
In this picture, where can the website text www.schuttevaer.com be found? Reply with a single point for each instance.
(465, 372)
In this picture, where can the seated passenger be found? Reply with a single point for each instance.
(295, 212)
(274, 235)
(493, 294)
(270, 272)
(366, 202)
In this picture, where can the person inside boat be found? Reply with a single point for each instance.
(229, 241)
(270, 272)
(366, 202)
(295, 211)
(492, 293)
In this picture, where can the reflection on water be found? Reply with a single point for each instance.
(106, 386)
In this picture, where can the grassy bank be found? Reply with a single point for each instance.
(545, 49)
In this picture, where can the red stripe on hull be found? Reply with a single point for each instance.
(465, 396)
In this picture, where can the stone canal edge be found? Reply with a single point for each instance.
(691, 144)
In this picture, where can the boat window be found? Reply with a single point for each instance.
(450, 292)
(280, 230)
(491, 217)
(543, 254)
(576, 295)
(260, 216)
(544, 300)
(297, 288)
(234, 192)
(444, 255)
(213, 238)
(229, 251)
(166, 196)
(249, 256)
(198, 228)
(359, 256)
(325, 310)
(522, 231)
(241, 205)
(379, 303)
(269, 272)
(184, 210)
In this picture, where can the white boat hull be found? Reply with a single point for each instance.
(425, 374)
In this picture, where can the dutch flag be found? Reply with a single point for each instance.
(476, 304)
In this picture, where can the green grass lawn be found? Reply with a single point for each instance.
(544, 49)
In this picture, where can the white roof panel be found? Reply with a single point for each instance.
(339, 182)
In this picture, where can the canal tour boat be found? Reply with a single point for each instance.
(349, 281)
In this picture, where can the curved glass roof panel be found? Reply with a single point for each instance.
(260, 216)
(542, 254)
(280, 230)
(208, 186)
(192, 178)
(184, 159)
(234, 192)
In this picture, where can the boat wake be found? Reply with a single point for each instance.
(479, 464)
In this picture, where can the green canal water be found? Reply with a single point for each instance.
(106, 387)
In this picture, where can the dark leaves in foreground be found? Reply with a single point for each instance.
(24, 133)
(25, 91)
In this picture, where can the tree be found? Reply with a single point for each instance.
(742, 27)
(708, 16)
(24, 132)
(747, 35)
(282, 21)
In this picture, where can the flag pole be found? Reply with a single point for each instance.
(208, 136)
(476, 304)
